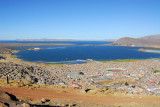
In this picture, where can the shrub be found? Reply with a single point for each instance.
(81, 73)
(106, 88)
(63, 87)
(126, 84)
(133, 86)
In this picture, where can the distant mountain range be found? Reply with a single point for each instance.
(61, 40)
(146, 41)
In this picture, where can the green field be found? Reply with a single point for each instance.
(121, 60)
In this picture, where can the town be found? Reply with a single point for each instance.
(134, 77)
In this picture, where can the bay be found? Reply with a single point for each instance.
(78, 52)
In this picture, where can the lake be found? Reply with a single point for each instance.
(80, 52)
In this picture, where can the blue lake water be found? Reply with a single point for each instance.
(72, 53)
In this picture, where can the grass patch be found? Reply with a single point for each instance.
(55, 64)
(156, 71)
(58, 63)
(114, 70)
(122, 60)
(51, 62)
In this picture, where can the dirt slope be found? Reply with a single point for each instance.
(75, 94)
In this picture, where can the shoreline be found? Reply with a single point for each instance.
(14, 58)
(150, 50)
(142, 48)
(147, 46)
(33, 44)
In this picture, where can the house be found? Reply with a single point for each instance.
(133, 84)
(152, 82)
(61, 83)
(75, 84)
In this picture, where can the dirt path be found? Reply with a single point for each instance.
(70, 93)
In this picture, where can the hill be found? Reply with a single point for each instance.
(146, 41)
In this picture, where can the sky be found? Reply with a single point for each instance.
(78, 19)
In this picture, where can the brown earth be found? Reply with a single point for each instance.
(53, 92)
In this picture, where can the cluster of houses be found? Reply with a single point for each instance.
(119, 79)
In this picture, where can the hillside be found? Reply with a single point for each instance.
(151, 37)
(146, 41)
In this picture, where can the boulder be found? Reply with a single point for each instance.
(43, 100)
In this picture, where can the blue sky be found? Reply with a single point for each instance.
(78, 19)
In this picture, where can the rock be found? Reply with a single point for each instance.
(62, 105)
(70, 105)
(26, 82)
(8, 100)
(92, 91)
(58, 105)
(28, 77)
(3, 105)
(3, 95)
(43, 100)
(25, 105)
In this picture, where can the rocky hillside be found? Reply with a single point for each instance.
(151, 37)
(146, 41)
